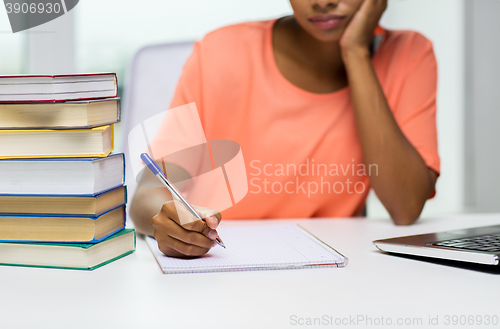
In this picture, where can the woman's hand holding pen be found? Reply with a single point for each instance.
(180, 234)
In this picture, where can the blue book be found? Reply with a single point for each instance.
(61, 176)
(61, 228)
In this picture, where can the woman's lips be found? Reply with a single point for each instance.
(326, 22)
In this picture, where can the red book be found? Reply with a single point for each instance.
(57, 88)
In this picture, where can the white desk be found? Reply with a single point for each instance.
(134, 293)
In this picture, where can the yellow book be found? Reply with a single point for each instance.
(66, 115)
(61, 204)
(61, 228)
(94, 142)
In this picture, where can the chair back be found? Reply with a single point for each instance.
(149, 87)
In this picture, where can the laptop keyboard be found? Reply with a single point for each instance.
(488, 243)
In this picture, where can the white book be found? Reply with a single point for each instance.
(56, 88)
(61, 176)
(264, 247)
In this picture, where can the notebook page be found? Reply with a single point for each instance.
(256, 247)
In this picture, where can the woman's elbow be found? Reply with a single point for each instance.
(408, 211)
(407, 215)
(404, 220)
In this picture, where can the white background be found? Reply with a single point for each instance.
(11, 47)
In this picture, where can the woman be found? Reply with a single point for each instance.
(309, 90)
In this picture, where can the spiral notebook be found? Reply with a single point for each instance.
(251, 248)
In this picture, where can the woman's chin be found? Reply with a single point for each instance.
(323, 35)
(328, 37)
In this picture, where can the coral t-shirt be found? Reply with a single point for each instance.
(301, 150)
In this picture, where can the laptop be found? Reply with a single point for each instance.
(480, 245)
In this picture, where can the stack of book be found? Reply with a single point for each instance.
(62, 193)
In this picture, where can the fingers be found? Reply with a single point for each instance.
(172, 237)
(175, 248)
(209, 233)
(176, 211)
(372, 9)
(378, 7)
(211, 217)
(182, 216)
(190, 237)
(213, 221)
(179, 233)
(179, 214)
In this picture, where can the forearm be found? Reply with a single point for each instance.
(404, 182)
(150, 195)
(146, 203)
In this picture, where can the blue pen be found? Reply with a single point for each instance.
(161, 176)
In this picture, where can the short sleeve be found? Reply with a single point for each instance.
(180, 139)
(415, 111)
(188, 89)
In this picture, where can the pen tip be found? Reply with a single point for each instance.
(220, 243)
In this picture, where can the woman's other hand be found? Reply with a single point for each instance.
(359, 32)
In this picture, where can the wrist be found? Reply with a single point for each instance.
(355, 54)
